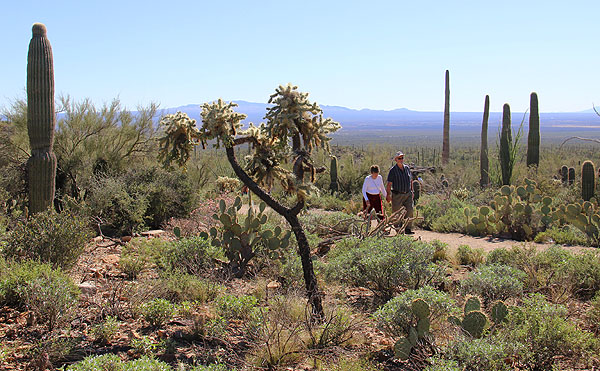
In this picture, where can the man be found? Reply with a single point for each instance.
(399, 188)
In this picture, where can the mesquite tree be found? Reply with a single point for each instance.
(292, 118)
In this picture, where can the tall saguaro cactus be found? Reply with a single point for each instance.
(588, 180)
(484, 163)
(446, 140)
(41, 120)
(506, 158)
(533, 139)
(333, 172)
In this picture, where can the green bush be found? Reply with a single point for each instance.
(105, 331)
(170, 194)
(465, 255)
(112, 362)
(396, 316)
(140, 198)
(384, 265)
(192, 255)
(547, 333)
(49, 293)
(157, 312)
(121, 212)
(440, 364)
(236, 307)
(567, 235)
(584, 270)
(321, 223)
(58, 239)
(494, 282)
(443, 214)
(178, 287)
(488, 353)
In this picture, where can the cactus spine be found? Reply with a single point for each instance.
(333, 172)
(588, 180)
(533, 139)
(505, 146)
(484, 163)
(446, 140)
(40, 120)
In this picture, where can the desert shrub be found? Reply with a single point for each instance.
(345, 364)
(465, 255)
(121, 212)
(193, 255)
(132, 265)
(584, 270)
(112, 362)
(238, 307)
(440, 364)
(443, 214)
(384, 265)
(327, 201)
(494, 282)
(441, 251)
(517, 257)
(157, 311)
(322, 224)
(141, 198)
(396, 316)
(566, 235)
(49, 237)
(337, 328)
(49, 293)
(176, 287)
(547, 334)
(105, 331)
(488, 353)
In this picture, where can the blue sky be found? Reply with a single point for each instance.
(357, 54)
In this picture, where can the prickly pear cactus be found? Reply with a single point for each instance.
(417, 333)
(41, 119)
(585, 216)
(240, 239)
(588, 180)
(511, 211)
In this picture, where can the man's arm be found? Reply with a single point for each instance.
(388, 189)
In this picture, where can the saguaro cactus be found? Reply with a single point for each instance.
(446, 140)
(41, 120)
(564, 174)
(416, 185)
(505, 146)
(588, 180)
(484, 163)
(533, 139)
(571, 175)
(333, 172)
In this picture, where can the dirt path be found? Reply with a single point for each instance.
(454, 240)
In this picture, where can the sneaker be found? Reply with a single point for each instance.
(408, 231)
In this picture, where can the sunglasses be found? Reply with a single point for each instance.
(400, 158)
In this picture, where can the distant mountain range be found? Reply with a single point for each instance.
(352, 119)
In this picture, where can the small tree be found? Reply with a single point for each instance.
(292, 118)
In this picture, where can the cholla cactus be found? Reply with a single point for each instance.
(41, 120)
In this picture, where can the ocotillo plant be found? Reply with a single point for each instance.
(333, 172)
(506, 160)
(446, 139)
(588, 180)
(533, 139)
(484, 164)
(41, 166)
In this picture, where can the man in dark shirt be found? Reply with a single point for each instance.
(399, 188)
